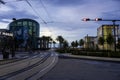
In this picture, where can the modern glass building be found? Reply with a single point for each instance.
(25, 29)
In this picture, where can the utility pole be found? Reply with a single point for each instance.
(114, 35)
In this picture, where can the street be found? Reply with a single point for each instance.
(77, 69)
(47, 66)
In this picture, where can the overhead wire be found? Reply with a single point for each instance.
(28, 2)
(43, 5)
(35, 11)
(45, 9)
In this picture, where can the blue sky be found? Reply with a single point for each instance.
(64, 15)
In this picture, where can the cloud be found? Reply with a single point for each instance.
(4, 9)
(65, 14)
(65, 2)
(3, 25)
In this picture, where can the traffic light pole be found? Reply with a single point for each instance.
(114, 34)
(114, 26)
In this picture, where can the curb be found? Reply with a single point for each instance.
(105, 59)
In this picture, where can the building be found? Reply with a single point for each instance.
(104, 31)
(24, 30)
(6, 38)
(90, 42)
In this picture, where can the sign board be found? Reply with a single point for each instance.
(6, 34)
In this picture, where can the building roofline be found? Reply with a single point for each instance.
(91, 36)
(106, 25)
(24, 19)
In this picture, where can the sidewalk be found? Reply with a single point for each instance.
(93, 58)
(17, 55)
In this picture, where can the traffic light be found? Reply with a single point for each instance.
(98, 19)
(85, 19)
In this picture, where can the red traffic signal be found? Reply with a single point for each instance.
(85, 19)
(98, 19)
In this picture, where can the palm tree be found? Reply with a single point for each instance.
(65, 44)
(61, 40)
(81, 42)
(101, 41)
(50, 41)
(54, 43)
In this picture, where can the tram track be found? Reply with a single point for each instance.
(34, 64)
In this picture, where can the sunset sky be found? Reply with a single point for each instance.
(63, 17)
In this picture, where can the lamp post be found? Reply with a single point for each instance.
(100, 19)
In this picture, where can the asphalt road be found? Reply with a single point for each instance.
(77, 69)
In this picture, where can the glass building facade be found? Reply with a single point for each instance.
(25, 29)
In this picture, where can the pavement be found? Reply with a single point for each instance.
(17, 55)
(92, 57)
(26, 54)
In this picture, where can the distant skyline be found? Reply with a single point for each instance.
(63, 16)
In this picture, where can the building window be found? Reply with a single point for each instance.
(19, 23)
(25, 23)
(34, 27)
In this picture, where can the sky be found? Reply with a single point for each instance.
(63, 17)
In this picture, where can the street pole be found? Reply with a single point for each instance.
(114, 34)
(114, 26)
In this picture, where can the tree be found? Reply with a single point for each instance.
(118, 44)
(54, 43)
(65, 44)
(101, 41)
(81, 42)
(61, 40)
(110, 39)
(76, 43)
(73, 44)
(50, 42)
(8, 46)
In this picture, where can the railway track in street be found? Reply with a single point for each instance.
(27, 68)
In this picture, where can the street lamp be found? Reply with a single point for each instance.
(100, 19)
